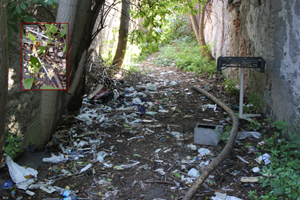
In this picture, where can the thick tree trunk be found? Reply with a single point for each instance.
(85, 42)
(3, 76)
(123, 32)
(81, 20)
(199, 32)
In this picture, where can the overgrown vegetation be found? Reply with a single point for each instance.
(284, 169)
(180, 48)
(13, 145)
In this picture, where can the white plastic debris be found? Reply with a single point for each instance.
(176, 134)
(204, 163)
(86, 167)
(130, 165)
(157, 150)
(192, 146)
(160, 171)
(150, 86)
(101, 155)
(82, 143)
(116, 94)
(129, 89)
(265, 157)
(214, 107)
(137, 101)
(242, 159)
(203, 151)
(48, 188)
(255, 169)
(227, 198)
(55, 159)
(85, 118)
(29, 192)
(193, 172)
(107, 165)
(18, 174)
(254, 134)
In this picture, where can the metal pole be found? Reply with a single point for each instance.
(241, 93)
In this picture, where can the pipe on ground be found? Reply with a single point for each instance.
(225, 152)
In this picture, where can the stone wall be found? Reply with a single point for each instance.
(265, 28)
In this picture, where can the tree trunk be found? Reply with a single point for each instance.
(3, 76)
(85, 42)
(123, 32)
(81, 21)
(199, 32)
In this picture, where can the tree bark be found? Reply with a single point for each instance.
(85, 42)
(123, 32)
(3, 76)
(81, 21)
(199, 32)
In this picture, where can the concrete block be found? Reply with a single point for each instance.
(206, 134)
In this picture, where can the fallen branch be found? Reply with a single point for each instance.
(225, 152)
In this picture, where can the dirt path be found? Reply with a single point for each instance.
(148, 159)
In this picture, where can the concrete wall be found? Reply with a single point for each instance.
(265, 28)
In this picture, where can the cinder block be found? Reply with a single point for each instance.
(206, 134)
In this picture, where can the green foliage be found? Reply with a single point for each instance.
(284, 166)
(155, 15)
(257, 102)
(13, 145)
(224, 137)
(28, 82)
(185, 54)
(19, 11)
(230, 86)
(254, 125)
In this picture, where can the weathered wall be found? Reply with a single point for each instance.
(265, 28)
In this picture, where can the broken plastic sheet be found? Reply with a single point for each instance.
(203, 152)
(222, 196)
(85, 118)
(265, 157)
(55, 159)
(21, 176)
(246, 134)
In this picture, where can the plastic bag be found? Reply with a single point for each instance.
(21, 176)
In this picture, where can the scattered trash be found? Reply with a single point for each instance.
(101, 155)
(242, 159)
(193, 172)
(21, 176)
(7, 185)
(203, 152)
(249, 179)
(86, 167)
(265, 157)
(214, 107)
(193, 147)
(255, 169)
(227, 198)
(55, 159)
(160, 171)
(244, 135)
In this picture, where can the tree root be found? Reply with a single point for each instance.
(221, 157)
